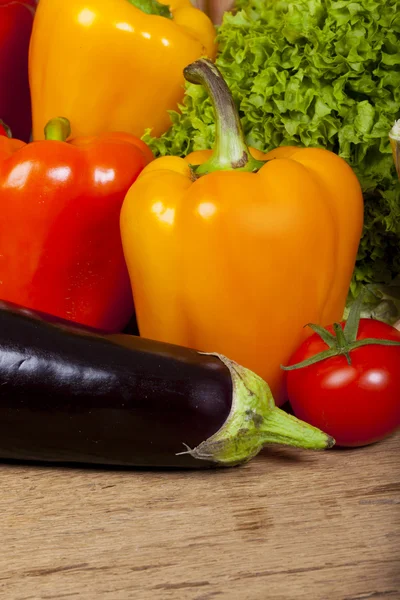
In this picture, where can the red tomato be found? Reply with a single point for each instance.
(357, 404)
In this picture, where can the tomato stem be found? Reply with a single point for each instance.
(353, 319)
(341, 342)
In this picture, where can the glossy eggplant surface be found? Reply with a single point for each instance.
(68, 394)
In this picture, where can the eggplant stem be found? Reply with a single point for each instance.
(255, 421)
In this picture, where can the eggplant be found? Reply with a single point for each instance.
(71, 395)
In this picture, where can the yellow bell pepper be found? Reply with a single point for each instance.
(235, 252)
(113, 65)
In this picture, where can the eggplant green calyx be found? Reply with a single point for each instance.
(58, 129)
(231, 152)
(152, 7)
(344, 340)
(394, 136)
(255, 421)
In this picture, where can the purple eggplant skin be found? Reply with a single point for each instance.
(70, 395)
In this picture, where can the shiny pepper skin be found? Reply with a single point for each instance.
(60, 244)
(107, 66)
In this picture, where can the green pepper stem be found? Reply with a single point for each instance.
(152, 7)
(230, 150)
(395, 142)
(58, 129)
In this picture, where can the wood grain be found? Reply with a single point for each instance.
(291, 525)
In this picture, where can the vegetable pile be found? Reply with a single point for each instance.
(68, 394)
(220, 251)
(314, 73)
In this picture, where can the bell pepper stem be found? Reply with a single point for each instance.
(231, 152)
(395, 142)
(58, 129)
(152, 7)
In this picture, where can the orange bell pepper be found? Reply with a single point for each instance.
(235, 251)
(60, 243)
(113, 65)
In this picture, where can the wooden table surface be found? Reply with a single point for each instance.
(291, 525)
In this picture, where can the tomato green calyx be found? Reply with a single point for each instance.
(343, 341)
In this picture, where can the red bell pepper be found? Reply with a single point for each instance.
(60, 245)
(16, 20)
